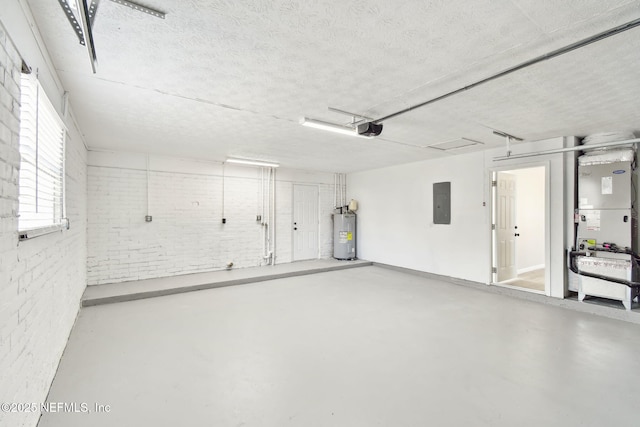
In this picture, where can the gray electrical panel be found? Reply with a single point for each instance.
(344, 236)
(442, 203)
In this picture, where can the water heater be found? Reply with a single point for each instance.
(344, 236)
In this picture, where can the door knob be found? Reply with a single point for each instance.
(517, 234)
(295, 228)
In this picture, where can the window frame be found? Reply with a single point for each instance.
(58, 221)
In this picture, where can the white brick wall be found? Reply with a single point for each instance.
(42, 279)
(186, 234)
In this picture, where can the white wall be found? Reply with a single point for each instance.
(395, 223)
(42, 279)
(185, 200)
(395, 217)
(530, 213)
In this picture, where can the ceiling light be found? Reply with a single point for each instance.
(331, 127)
(253, 162)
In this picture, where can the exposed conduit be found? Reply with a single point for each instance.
(148, 216)
(568, 149)
(266, 220)
(263, 222)
(342, 195)
(336, 191)
(553, 54)
(343, 187)
(339, 190)
(273, 220)
(268, 196)
(223, 220)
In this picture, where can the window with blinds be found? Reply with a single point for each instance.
(42, 138)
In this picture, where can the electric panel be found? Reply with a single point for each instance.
(442, 203)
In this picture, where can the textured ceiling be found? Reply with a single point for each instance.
(220, 78)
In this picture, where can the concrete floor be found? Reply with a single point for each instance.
(359, 347)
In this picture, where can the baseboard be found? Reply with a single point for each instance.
(632, 316)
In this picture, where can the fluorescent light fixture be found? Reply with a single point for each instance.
(252, 162)
(331, 127)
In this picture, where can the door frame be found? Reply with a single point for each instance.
(293, 207)
(547, 223)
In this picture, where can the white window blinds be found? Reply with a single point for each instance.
(42, 138)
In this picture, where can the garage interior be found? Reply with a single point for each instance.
(319, 213)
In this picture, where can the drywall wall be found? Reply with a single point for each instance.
(395, 224)
(530, 214)
(185, 200)
(41, 279)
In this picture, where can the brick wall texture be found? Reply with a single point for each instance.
(42, 279)
(186, 234)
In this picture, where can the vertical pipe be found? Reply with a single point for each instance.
(148, 185)
(335, 191)
(341, 192)
(223, 163)
(262, 218)
(342, 189)
(267, 213)
(268, 253)
(270, 216)
(345, 190)
(267, 219)
(273, 226)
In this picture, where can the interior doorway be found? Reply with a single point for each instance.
(519, 228)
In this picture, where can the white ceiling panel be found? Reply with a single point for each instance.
(219, 78)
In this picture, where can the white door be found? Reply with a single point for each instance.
(305, 222)
(506, 229)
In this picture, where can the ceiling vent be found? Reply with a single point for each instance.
(455, 144)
